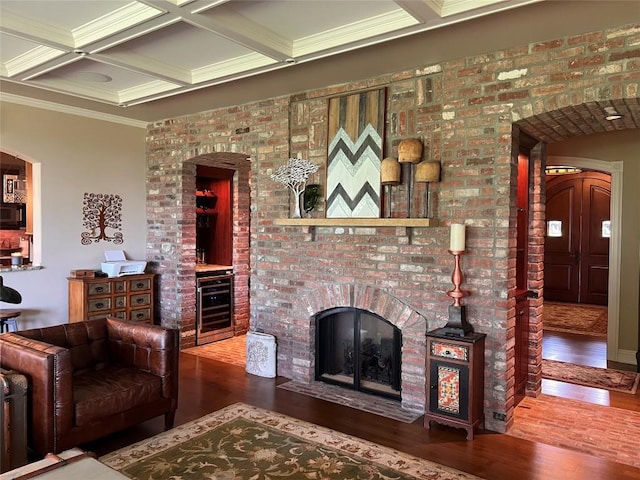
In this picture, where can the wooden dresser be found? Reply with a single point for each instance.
(129, 297)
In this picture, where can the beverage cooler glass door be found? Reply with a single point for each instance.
(214, 308)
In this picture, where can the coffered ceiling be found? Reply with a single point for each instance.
(148, 60)
(129, 52)
(125, 52)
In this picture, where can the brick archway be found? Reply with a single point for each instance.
(177, 291)
(548, 127)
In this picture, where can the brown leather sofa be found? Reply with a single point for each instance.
(90, 379)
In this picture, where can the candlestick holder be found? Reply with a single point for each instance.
(457, 325)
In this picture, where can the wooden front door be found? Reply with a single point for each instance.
(576, 266)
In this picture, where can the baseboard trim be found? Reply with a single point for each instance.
(626, 356)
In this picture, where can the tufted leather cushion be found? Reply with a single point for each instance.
(86, 342)
(112, 390)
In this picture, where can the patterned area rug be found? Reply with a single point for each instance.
(575, 318)
(604, 432)
(232, 350)
(245, 442)
(605, 378)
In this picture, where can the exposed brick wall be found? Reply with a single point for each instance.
(466, 112)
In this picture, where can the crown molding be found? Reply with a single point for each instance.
(81, 112)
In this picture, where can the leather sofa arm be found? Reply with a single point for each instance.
(49, 371)
(151, 348)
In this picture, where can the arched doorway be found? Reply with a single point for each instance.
(26, 224)
(236, 170)
(547, 128)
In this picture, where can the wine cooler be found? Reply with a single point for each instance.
(214, 307)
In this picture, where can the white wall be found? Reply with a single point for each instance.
(76, 155)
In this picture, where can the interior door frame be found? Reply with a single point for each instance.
(615, 244)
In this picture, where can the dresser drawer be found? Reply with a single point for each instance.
(139, 284)
(120, 301)
(450, 351)
(140, 315)
(101, 288)
(101, 304)
(140, 300)
(120, 286)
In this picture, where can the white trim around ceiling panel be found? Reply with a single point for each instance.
(154, 87)
(123, 18)
(355, 32)
(31, 59)
(453, 7)
(81, 112)
(38, 32)
(615, 244)
(233, 66)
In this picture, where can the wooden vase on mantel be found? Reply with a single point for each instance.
(390, 173)
(409, 151)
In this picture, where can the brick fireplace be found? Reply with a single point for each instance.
(469, 113)
(411, 323)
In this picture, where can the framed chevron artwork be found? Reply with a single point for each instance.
(356, 132)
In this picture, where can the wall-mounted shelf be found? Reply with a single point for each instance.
(357, 222)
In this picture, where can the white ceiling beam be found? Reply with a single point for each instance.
(422, 10)
(242, 31)
(146, 66)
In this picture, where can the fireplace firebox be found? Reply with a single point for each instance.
(360, 350)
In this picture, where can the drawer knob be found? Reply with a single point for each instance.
(139, 284)
(99, 289)
(140, 300)
(100, 305)
(447, 352)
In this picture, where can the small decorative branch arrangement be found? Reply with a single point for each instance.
(101, 211)
(294, 175)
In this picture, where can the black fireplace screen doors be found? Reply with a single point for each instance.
(360, 350)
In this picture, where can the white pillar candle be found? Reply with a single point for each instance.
(457, 238)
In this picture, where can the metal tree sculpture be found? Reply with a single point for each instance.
(294, 176)
(101, 211)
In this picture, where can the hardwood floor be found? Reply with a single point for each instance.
(207, 385)
(584, 350)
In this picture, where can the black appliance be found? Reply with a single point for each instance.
(214, 309)
(13, 216)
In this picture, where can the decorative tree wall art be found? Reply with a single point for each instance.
(294, 175)
(101, 211)
(356, 131)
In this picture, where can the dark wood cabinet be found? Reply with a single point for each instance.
(455, 387)
(214, 216)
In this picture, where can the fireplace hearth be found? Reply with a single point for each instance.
(360, 350)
